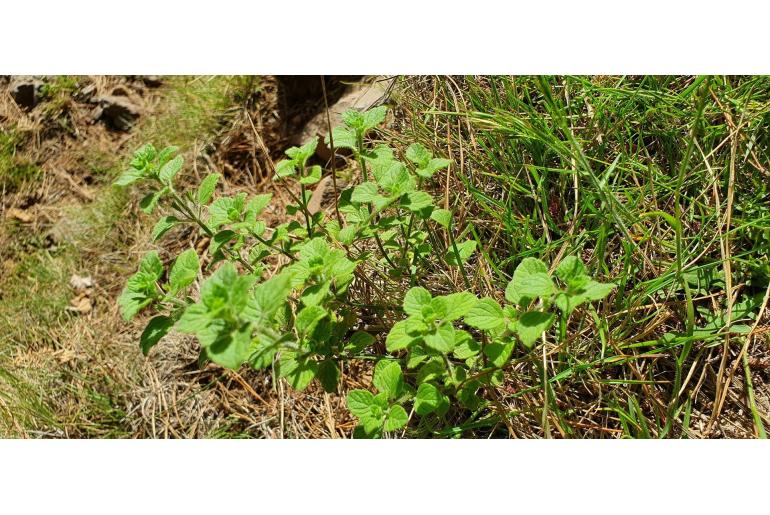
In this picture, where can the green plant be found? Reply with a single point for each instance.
(309, 317)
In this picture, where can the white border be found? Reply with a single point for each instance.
(389, 37)
(406, 37)
(385, 477)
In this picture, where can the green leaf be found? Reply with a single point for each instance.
(184, 271)
(150, 201)
(129, 177)
(143, 156)
(397, 418)
(313, 176)
(374, 117)
(132, 302)
(268, 297)
(467, 395)
(227, 292)
(347, 235)
(416, 201)
(164, 156)
(429, 399)
(360, 402)
(511, 295)
(416, 299)
(457, 305)
(230, 348)
(398, 338)
(343, 138)
(152, 265)
(224, 210)
(464, 249)
(418, 154)
(299, 371)
(156, 329)
(442, 216)
(498, 353)
(163, 226)
(257, 204)
(263, 351)
(328, 375)
(570, 269)
(359, 341)
(170, 169)
(300, 155)
(486, 315)
(531, 325)
(435, 164)
(531, 280)
(364, 193)
(597, 291)
(442, 339)
(207, 187)
(219, 239)
(395, 179)
(308, 318)
(354, 119)
(433, 369)
(315, 293)
(388, 378)
(194, 320)
(590, 290)
(285, 168)
(465, 346)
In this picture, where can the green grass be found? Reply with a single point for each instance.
(15, 170)
(626, 172)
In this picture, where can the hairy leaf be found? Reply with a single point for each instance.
(486, 315)
(184, 271)
(388, 378)
(429, 399)
(207, 187)
(156, 329)
(531, 325)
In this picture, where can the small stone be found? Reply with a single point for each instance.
(152, 81)
(323, 195)
(88, 91)
(26, 91)
(119, 112)
(81, 283)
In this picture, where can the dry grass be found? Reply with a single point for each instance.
(64, 374)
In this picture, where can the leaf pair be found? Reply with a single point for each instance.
(148, 163)
(220, 320)
(357, 124)
(381, 412)
(430, 321)
(426, 164)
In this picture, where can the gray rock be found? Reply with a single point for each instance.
(118, 112)
(370, 92)
(26, 91)
(152, 81)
